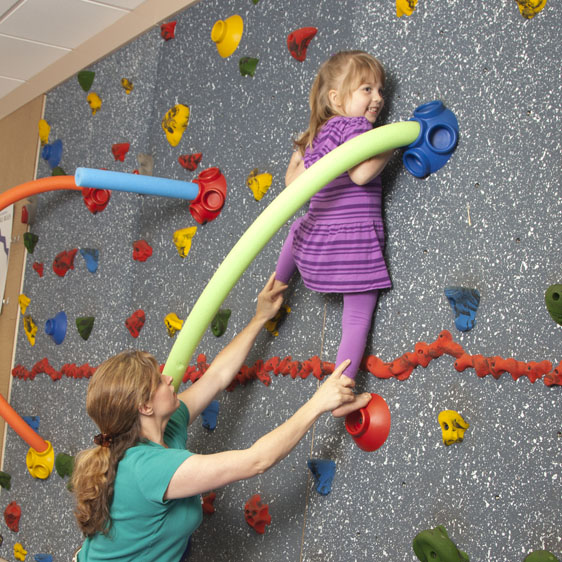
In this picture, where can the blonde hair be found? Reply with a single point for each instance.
(344, 72)
(118, 387)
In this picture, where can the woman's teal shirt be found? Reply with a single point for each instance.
(145, 527)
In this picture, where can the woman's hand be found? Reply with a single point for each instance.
(336, 394)
(270, 299)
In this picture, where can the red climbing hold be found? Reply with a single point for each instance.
(298, 41)
(119, 150)
(168, 30)
(142, 250)
(12, 516)
(38, 267)
(211, 197)
(190, 161)
(95, 199)
(64, 261)
(135, 322)
(208, 503)
(257, 514)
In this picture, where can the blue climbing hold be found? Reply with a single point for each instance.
(464, 303)
(43, 558)
(56, 327)
(210, 414)
(323, 471)
(32, 421)
(52, 153)
(439, 134)
(92, 256)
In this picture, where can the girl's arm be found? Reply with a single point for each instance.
(227, 363)
(295, 168)
(363, 173)
(201, 473)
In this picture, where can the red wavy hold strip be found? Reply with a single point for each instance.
(400, 369)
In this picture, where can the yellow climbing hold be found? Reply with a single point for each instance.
(259, 183)
(226, 35)
(175, 122)
(23, 302)
(127, 84)
(173, 323)
(182, 239)
(30, 329)
(44, 130)
(405, 7)
(452, 425)
(530, 8)
(94, 101)
(19, 552)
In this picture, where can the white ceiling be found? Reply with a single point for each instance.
(36, 33)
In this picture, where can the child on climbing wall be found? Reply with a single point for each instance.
(337, 246)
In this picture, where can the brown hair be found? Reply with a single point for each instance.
(343, 72)
(119, 386)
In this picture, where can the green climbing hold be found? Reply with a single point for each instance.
(58, 171)
(248, 66)
(553, 300)
(84, 325)
(64, 464)
(5, 480)
(220, 322)
(434, 545)
(86, 79)
(541, 556)
(30, 241)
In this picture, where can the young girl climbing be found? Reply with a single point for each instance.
(338, 244)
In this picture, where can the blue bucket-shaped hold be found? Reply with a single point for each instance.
(56, 327)
(439, 134)
(52, 153)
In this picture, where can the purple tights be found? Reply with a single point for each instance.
(357, 315)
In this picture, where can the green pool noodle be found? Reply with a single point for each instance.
(283, 207)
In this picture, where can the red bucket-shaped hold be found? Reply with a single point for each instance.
(212, 194)
(370, 426)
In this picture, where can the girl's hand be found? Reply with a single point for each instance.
(270, 299)
(336, 394)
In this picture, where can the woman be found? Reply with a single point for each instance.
(137, 492)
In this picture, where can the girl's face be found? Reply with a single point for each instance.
(365, 101)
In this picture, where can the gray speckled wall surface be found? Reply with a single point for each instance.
(489, 220)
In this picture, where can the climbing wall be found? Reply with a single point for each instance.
(489, 220)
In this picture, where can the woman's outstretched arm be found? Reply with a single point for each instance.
(201, 473)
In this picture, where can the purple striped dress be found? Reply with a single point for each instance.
(338, 245)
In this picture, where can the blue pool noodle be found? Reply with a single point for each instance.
(135, 183)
